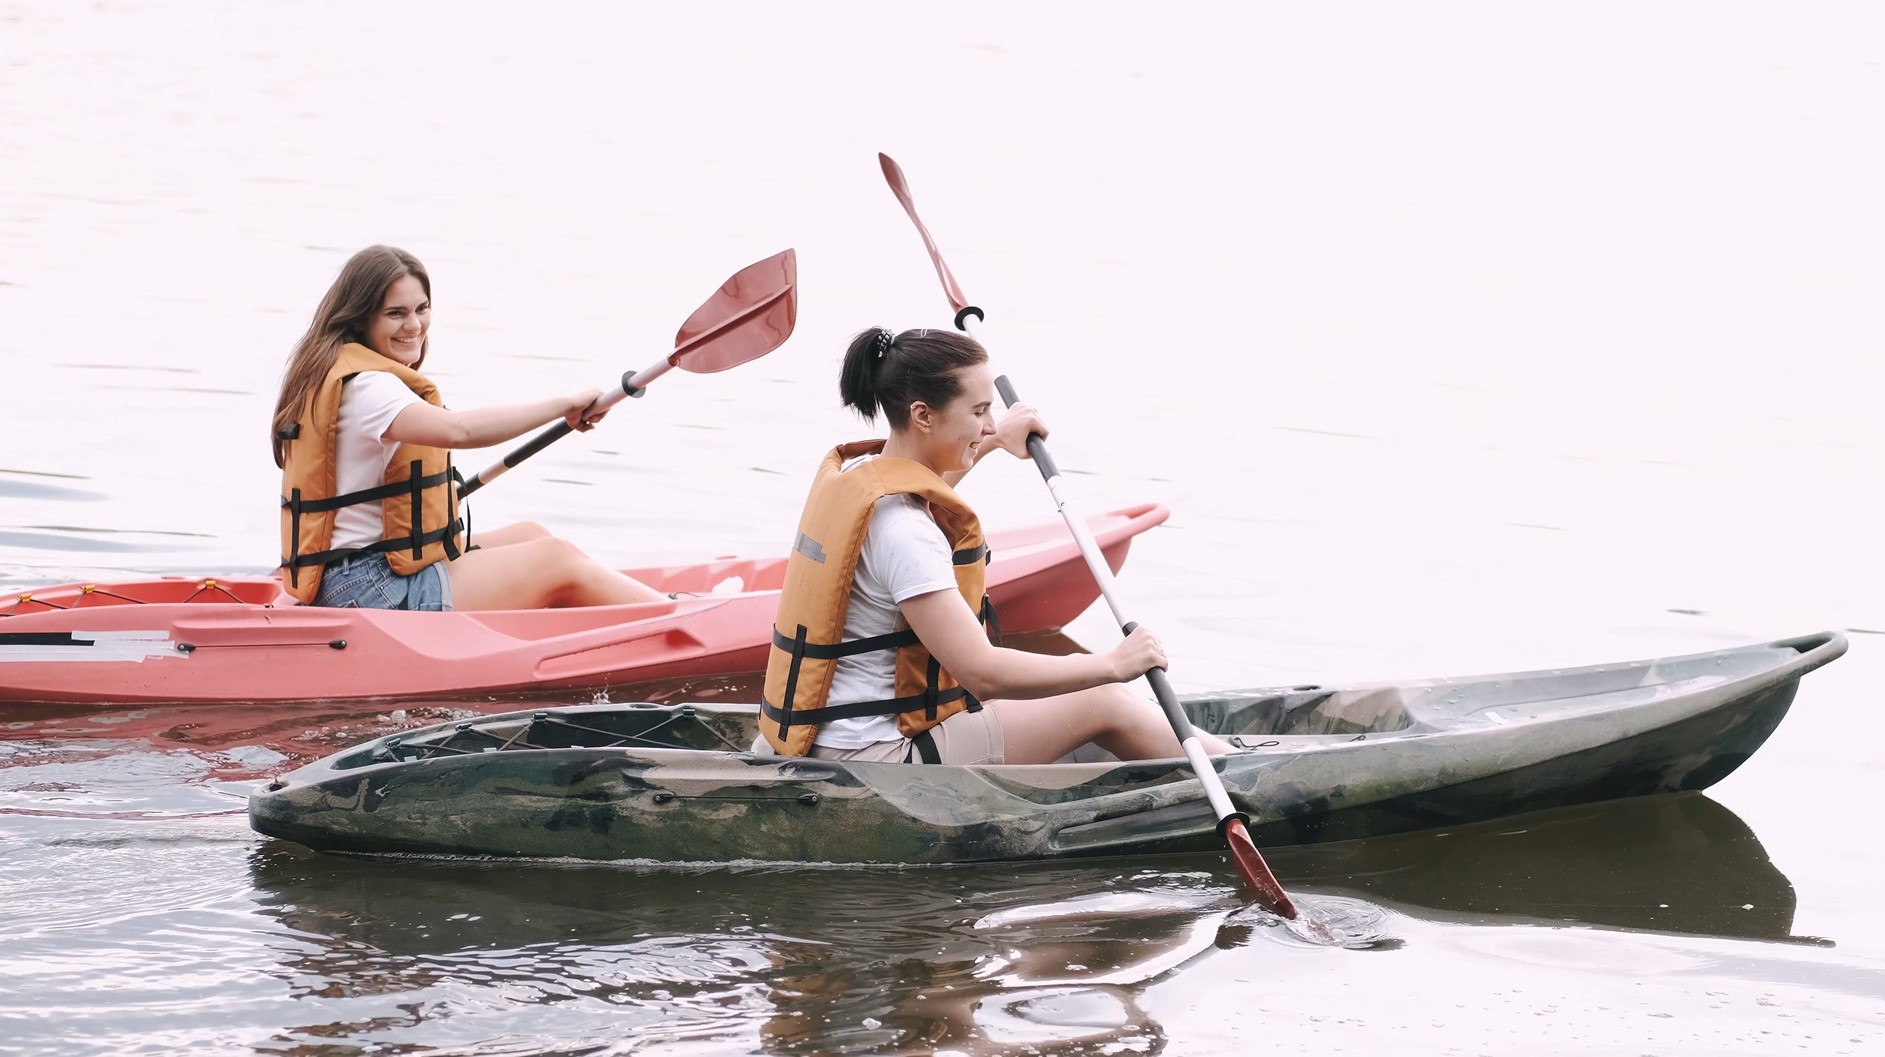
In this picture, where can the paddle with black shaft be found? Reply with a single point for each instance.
(749, 316)
(1232, 824)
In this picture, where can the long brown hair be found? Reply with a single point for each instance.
(356, 295)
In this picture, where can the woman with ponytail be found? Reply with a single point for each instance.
(879, 649)
(369, 500)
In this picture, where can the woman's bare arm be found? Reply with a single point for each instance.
(952, 635)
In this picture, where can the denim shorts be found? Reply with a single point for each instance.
(366, 581)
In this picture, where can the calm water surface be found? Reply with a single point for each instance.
(1459, 339)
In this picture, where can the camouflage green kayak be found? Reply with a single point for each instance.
(673, 783)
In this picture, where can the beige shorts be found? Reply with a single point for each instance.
(964, 738)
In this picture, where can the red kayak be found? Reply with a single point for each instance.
(242, 639)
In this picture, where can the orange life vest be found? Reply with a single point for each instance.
(808, 633)
(419, 490)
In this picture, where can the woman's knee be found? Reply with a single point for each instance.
(560, 559)
(525, 531)
(1117, 703)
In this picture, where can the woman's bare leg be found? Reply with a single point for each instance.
(505, 535)
(536, 573)
(1112, 716)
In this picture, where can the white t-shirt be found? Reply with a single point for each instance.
(369, 401)
(905, 555)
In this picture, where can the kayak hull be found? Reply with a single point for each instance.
(672, 783)
(242, 639)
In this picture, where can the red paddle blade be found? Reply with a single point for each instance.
(894, 177)
(749, 316)
(1256, 873)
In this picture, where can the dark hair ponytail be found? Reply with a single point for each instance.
(889, 372)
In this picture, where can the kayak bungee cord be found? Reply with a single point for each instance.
(88, 590)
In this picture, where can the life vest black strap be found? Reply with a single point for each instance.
(797, 646)
(923, 745)
(451, 539)
(860, 709)
(895, 640)
(930, 696)
(415, 492)
(820, 651)
(302, 561)
(970, 556)
(376, 494)
(294, 534)
(413, 488)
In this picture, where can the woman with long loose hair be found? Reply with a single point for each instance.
(369, 500)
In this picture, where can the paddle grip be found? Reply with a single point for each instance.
(1037, 447)
(539, 442)
(1167, 698)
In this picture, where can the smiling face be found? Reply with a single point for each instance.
(950, 435)
(397, 331)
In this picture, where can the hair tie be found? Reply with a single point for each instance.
(884, 340)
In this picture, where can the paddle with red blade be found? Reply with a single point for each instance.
(749, 316)
(1232, 824)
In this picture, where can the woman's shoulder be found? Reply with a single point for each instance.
(903, 520)
(378, 386)
(375, 397)
(902, 506)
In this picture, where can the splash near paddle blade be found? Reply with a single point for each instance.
(750, 315)
(1256, 873)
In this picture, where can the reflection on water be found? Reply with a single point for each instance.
(1674, 863)
(822, 961)
(490, 957)
(977, 959)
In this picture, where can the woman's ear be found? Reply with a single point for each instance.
(920, 416)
